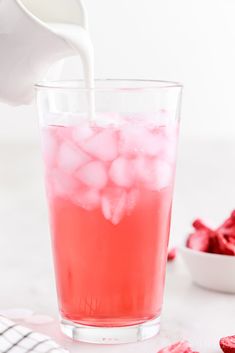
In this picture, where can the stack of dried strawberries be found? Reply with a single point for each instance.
(218, 241)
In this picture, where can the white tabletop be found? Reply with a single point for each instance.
(204, 187)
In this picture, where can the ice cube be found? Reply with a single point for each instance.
(81, 133)
(108, 119)
(130, 140)
(87, 198)
(71, 157)
(161, 175)
(170, 136)
(152, 143)
(113, 203)
(143, 169)
(132, 199)
(61, 183)
(63, 133)
(103, 145)
(93, 174)
(168, 154)
(155, 173)
(121, 172)
(170, 131)
(106, 207)
(49, 146)
(139, 139)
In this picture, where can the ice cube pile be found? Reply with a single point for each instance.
(108, 166)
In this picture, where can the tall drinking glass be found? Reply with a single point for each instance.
(109, 178)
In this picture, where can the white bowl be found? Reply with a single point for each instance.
(211, 271)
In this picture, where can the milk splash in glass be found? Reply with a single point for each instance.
(78, 38)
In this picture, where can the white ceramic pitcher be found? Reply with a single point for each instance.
(29, 46)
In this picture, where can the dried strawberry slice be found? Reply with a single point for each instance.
(227, 344)
(214, 245)
(228, 227)
(228, 230)
(172, 254)
(220, 241)
(230, 238)
(178, 347)
(200, 240)
(199, 225)
(233, 215)
(221, 245)
(225, 237)
(229, 223)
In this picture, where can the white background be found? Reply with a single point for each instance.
(183, 40)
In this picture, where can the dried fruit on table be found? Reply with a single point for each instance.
(227, 344)
(178, 347)
(200, 240)
(199, 225)
(172, 254)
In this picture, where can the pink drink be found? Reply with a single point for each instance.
(110, 195)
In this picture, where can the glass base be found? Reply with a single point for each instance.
(110, 335)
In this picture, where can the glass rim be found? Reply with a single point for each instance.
(123, 85)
